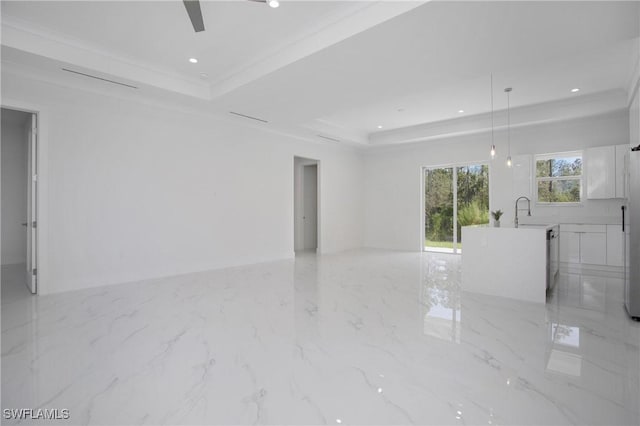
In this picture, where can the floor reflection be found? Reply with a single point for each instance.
(363, 337)
(581, 339)
(441, 299)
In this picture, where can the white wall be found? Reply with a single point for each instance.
(14, 192)
(136, 191)
(393, 210)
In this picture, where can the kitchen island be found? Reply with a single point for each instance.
(518, 263)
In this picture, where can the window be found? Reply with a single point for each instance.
(559, 178)
(454, 197)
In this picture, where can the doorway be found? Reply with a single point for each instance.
(306, 204)
(454, 196)
(18, 192)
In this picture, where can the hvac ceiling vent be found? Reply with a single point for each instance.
(99, 78)
(328, 138)
(248, 116)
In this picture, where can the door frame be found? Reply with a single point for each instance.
(454, 188)
(299, 162)
(305, 214)
(42, 156)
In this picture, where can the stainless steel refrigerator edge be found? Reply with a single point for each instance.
(631, 217)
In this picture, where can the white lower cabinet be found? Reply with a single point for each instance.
(569, 247)
(583, 244)
(593, 248)
(615, 241)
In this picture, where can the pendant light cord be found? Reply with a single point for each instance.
(492, 138)
(508, 123)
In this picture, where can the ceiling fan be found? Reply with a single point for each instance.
(195, 13)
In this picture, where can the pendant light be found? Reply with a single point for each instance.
(493, 144)
(507, 91)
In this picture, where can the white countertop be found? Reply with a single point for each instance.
(586, 220)
(546, 227)
(534, 226)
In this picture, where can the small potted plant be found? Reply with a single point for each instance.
(496, 217)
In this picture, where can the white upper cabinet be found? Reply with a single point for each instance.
(621, 170)
(600, 164)
(604, 166)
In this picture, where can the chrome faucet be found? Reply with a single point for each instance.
(528, 207)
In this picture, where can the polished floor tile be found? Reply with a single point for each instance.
(364, 337)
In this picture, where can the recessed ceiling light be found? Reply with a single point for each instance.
(460, 111)
(575, 89)
(204, 75)
(193, 60)
(274, 3)
(379, 127)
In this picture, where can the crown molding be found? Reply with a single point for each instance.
(331, 30)
(529, 115)
(187, 105)
(25, 37)
(332, 130)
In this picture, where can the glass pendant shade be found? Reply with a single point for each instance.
(493, 144)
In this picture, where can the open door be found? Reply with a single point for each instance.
(310, 207)
(32, 206)
(306, 204)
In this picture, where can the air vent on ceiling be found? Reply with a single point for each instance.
(248, 116)
(99, 78)
(328, 138)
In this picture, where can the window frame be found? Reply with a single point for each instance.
(455, 166)
(537, 180)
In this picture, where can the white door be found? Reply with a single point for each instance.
(310, 208)
(32, 207)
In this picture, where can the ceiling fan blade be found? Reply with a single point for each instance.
(195, 14)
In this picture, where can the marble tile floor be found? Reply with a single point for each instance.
(363, 337)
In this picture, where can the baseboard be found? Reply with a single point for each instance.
(66, 285)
